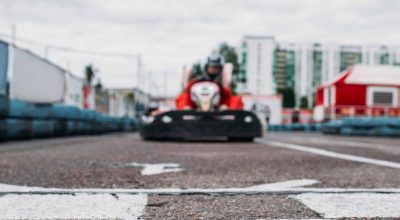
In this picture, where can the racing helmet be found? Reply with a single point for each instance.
(214, 60)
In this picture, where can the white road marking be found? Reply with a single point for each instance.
(364, 205)
(285, 184)
(158, 168)
(285, 187)
(79, 206)
(358, 144)
(9, 189)
(327, 153)
(21, 202)
(347, 143)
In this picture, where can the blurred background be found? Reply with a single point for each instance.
(118, 56)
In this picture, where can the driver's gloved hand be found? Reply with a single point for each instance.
(223, 108)
(187, 108)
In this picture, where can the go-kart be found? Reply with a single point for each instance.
(208, 121)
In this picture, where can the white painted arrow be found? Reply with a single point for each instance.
(157, 168)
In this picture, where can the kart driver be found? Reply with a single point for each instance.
(212, 73)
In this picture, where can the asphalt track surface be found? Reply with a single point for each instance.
(281, 176)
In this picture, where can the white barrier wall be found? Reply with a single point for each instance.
(116, 104)
(74, 91)
(36, 80)
(119, 105)
(266, 107)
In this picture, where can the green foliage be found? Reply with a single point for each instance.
(90, 73)
(289, 99)
(130, 97)
(304, 102)
(196, 70)
(230, 56)
(99, 85)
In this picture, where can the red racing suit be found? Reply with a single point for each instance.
(232, 102)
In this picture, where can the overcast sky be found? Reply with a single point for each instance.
(169, 34)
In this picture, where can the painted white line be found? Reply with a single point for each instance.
(361, 205)
(89, 203)
(6, 188)
(286, 187)
(332, 154)
(343, 143)
(79, 206)
(158, 168)
(285, 184)
(21, 202)
(353, 144)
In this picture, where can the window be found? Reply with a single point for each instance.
(382, 96)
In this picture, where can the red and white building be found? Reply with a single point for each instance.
(361, 90)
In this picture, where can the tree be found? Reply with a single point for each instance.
(288, 96)
(196, 70)
(229, 54)
(130, 97)
(90, 74)
(99, 85)
(304, 102)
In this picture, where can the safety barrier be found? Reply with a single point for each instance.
(332, 127)
(21, 120)
(18, 129)
(294, 127)
(349, 111)
(382, 126)
(3, 106)
(3, 129)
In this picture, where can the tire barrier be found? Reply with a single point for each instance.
(3, 130)
(295, 127)
(18, 129)
(21, 120)
(43, 128)
(4, 106)
(332, 127)
(381, 126)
